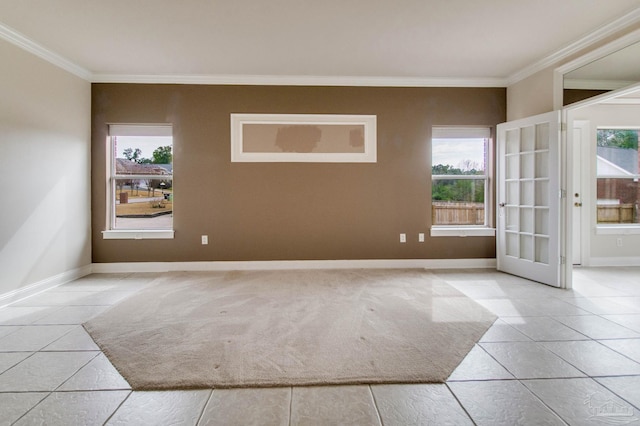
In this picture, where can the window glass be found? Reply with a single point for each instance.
(459, 176)
(618, 176)
(141, 183)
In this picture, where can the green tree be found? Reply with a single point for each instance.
(131, 154)
(619, 138)
(464, 191)
(162, 155)
(457, 190)
(445, 169)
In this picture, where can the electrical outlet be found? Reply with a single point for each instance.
(403, 238)
(619, 242)
(205, 240)
(421, 237)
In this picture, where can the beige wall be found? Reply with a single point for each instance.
(531, 96)
(291, 211)
(45, 163)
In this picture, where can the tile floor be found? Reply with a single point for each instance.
(552, 357)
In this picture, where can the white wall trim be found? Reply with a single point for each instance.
(629, 229)
(599, 34)
(14, 37)
(293, 264)
(45, 284)
(300, 80)
(452, 231)
(138, 234)
(614, 261)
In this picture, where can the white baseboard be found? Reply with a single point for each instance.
(614, 261)
(45, 284)
(293, 264)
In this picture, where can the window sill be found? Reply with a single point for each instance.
(446, 231)
(629, 229)
(137, 234)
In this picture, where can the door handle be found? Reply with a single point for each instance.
(577, 204)
(502, 204)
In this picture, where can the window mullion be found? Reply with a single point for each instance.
(459, 177)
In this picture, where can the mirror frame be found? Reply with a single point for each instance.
(598, 53)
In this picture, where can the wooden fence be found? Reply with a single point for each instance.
(615, 213)
(444, 213)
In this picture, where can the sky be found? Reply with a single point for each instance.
(454, 151)
(444, 151)
(146, 144)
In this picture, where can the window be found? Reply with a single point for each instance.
(618, 178)
(140, 182)
(460, 181)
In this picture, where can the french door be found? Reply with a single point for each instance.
(529, 199)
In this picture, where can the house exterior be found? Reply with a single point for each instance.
(617, 188)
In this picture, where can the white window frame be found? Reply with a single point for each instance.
(130, 130)
(467, 132)
(614, 228)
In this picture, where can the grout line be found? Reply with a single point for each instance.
(544, 403)
(460, 403)
(375, 405)
(42, 349)
(615, 393)
(119, 406)
(76, 372)
(616, 351)
(204, 407)
(31, 409)
(20, 362)
(496, 360)
(290, 403)
(89, 390)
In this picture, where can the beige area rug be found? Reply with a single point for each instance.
(288, 328)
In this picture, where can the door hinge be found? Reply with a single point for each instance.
(563, 260)
(562, 193)
(563, 127)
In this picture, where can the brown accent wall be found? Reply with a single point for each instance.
(291, 211)
(570, 96)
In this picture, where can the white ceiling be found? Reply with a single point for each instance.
(403, 39)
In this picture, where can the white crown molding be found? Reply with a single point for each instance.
(299, 80)
(14, 37)
(601, 33)
(293, 264)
